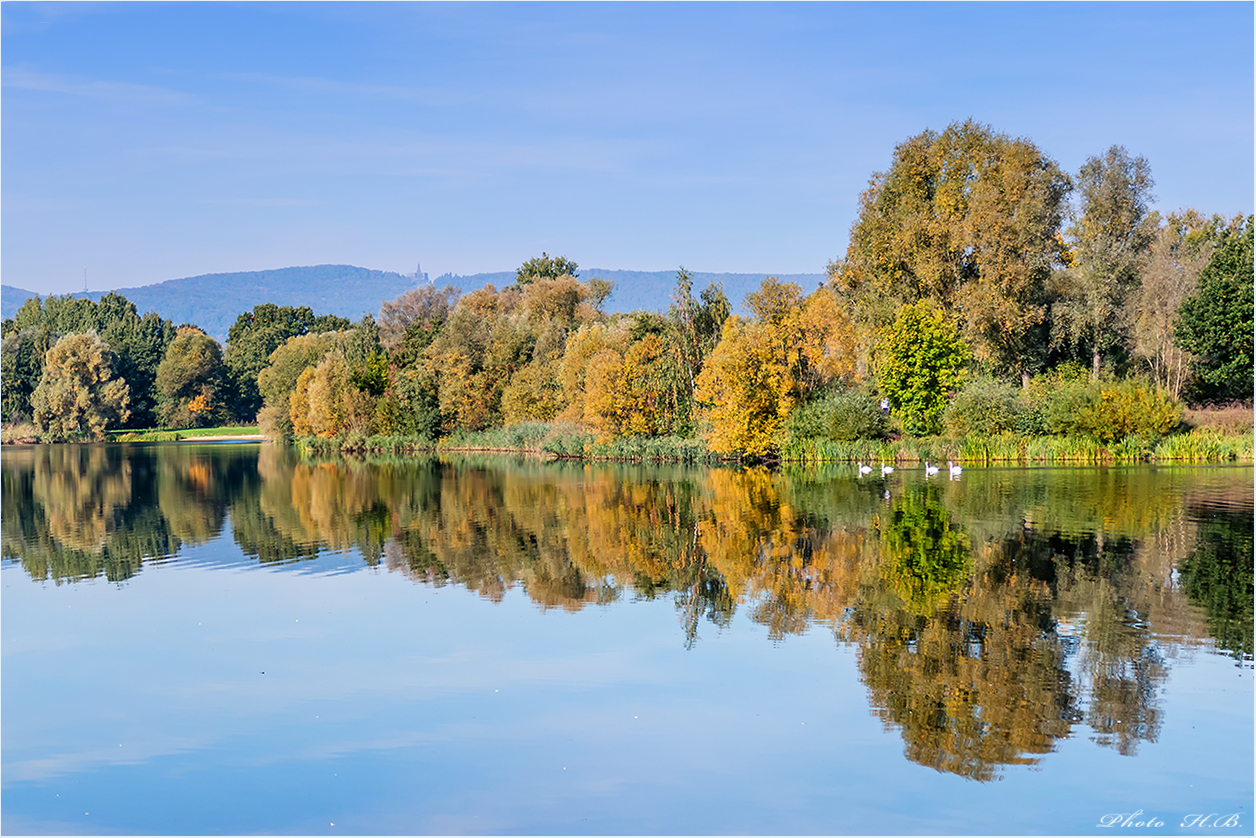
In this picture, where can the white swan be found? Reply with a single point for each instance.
(930, 470)
(956, 471)
(886, 469)
(863, 469)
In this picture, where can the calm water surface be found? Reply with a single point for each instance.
(230, 639)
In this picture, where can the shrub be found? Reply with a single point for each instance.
(1111, 411)
(273, 421)
(838, 416)
(1029, 420)
(1132, 407)
(19, 433)
(1064, 410)
(1043, 387)
(855, 416)
(984, 407)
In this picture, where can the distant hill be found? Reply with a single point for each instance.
(213, 301)
(11, 299)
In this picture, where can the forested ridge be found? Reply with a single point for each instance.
(984, 290)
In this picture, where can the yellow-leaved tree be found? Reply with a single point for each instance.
(79, 396)
(748, 390)
(326, 402)
(762, 369)
(573, 370)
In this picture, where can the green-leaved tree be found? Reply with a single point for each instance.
(190, 381)
(1216, 323)
(920, 362)
(544, 267)
(255, 335)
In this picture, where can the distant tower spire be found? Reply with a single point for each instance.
(84, 279)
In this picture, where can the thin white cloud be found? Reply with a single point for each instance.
(314, 84)
(265, 202)
(104, 91)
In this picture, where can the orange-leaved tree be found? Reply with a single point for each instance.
(762, 369)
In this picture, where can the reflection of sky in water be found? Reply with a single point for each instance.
(209, 693)
(391, 707)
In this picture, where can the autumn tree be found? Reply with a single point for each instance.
(327, 402)
(1109, 237)
(534, 392)
(921, 362)
(1216, 322)
(79, 396)
(475, 354)
(634, 393)
(421, 309)
(968, 219)
(278, 379)
(760, 370)
(1182, 248)
(582, 346)
(496, 359)
(190, 381)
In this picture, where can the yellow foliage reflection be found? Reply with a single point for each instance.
(991, 617)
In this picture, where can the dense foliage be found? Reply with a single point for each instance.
(968, 219)
(257, 333)
(1216, 323)
(138, 345)
(984, 292)
(920, 365)
(79, 396)
(190, 380)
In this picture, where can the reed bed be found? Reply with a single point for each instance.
(363, 444)
(1205, 446)
(573, 442)
(664, 449)
(1195, 446)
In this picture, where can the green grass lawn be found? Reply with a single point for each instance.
(155, 435)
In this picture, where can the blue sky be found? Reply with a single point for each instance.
(151, 141)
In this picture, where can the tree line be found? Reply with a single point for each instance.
(975, 264)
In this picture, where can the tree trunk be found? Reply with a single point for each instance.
(1094, 365)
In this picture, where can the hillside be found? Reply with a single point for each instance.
(213, 301)
(12, 298)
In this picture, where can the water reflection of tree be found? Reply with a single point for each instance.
(79, 511)
(1217, 575)
(956, 645)
(991, 616)
(192, 493)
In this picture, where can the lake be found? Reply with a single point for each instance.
(225, 639)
